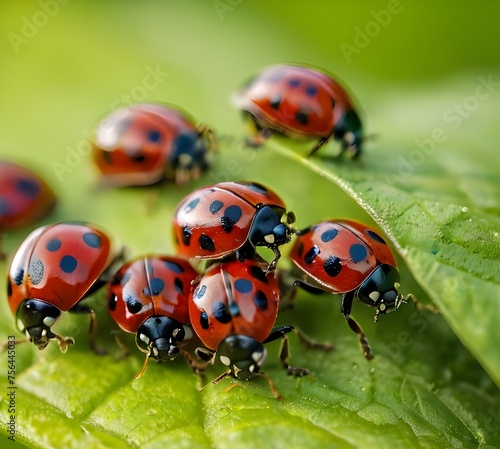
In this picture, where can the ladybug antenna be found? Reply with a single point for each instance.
(144, 367)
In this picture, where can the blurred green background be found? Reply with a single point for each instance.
(65, 65)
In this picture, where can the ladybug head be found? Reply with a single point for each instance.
(243, 356)
(381, 290)
(268, 230)
(35, 319)
(159, 336)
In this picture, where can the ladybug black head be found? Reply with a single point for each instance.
(159, 336)
(243, 356)
(381, 290)
(35, 318)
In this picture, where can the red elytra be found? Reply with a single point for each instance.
(55, 268)
(145, 143)
(230, 217)
(301, 102)
(339, 255)
(24, 196)
(234, 298)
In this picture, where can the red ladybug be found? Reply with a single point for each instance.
(233, 309)
(24, 197)
(231, 217)
(52, 271)
(352, 259)
(145, 143)
(300, 102)
(149, 297)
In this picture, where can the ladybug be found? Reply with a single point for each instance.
(231, 217)
(145, 143)
(233, 309)
(56, 267)
(352, 259)
(148, 296)
(24, 197)
(303, 103)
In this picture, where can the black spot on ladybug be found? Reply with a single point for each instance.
(358, 252)
(220, 312)
(191, 205)
(154, 136)
(157, 286)
(112, 302)
(204, 320)
(18, 276)
(179, 285)
(329, 235)
(174, 266)
(53, 244)
(243, 285)
(258, 273)
(35, 271)
(215, 206)
(4, 207)
(302, 117)
(9, 287)
(294, 82)
(275, 102)
(68, 264)
(311, 90)
(333, 103)
(311, 254)
(374, 236)
(133, 304)
(300, 249)
(206, 243)
(260, 300)
(28, 187)
(186, 236)
(138, 157)
(107, 156)
(92, 240)
(332, 266)
(125, 278)
(231, 216)
(200, 291)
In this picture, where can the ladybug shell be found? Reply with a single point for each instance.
(150, 286)
(132, 146)
(234, 298)
(215, 221)
(58, 264)
(24, 196)
(297, 101)
(339, 255)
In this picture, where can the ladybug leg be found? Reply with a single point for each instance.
(284, 355)
(259, 134)
(272, 386)
(80, 308)
(124, 353)
(345, 307)
(319, 144)
(196, 365)
(418, 305)
(311, 343)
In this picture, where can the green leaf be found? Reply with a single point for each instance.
(425, 388)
